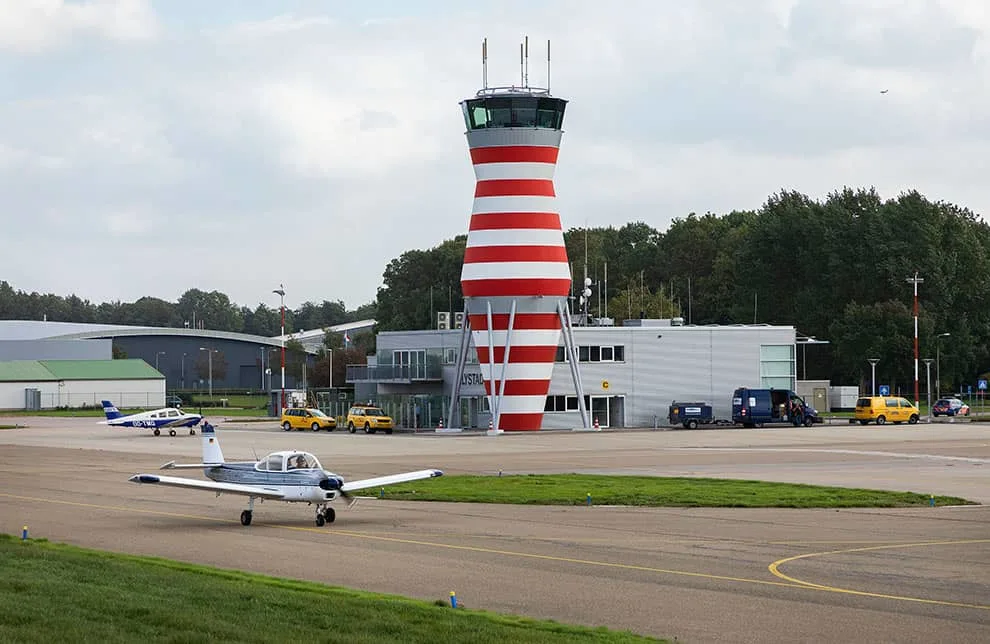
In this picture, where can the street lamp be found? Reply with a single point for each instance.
(938, 365)
(160, 353)
(281, 293)
(928, 388)
(209, 353)
(873, 376)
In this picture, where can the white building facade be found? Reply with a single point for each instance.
(630, 374)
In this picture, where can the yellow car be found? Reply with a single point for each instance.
(883, 409)
(369, 417)
(299, 418)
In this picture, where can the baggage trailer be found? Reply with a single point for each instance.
(692, 414)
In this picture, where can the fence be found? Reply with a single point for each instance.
(120, 399)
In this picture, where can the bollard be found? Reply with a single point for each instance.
(453, 600)
(931, 501)
(24, 533)
(500, 473)
(381, 493)
(589, 498)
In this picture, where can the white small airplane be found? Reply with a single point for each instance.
(291, 476)
(157, 419)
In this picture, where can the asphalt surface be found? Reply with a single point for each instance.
(700, 575)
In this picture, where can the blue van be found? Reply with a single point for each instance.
(752, 407)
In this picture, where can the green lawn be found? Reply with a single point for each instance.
(59, 593)
(573, 489)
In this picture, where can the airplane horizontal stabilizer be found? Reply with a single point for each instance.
(211, 486)
(172, 465)
(390, 479)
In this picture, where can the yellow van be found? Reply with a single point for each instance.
(884, 409)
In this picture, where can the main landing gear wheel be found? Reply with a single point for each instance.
(246, 517)
(192, 432)
(158, 432)
(171, 432)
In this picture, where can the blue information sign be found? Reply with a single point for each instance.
(884, 390)
(981, 384)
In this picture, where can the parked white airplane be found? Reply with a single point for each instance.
(289, 476)
(157, 419)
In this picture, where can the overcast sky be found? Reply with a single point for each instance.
(151, 147)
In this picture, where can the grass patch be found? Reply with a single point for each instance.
(573, 489)
(54, 592)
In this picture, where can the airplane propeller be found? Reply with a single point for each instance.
(336, 483)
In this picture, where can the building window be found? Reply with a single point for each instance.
(556, 403)
(450, 356)
(777, 366)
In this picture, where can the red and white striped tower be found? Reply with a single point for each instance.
(516, 275)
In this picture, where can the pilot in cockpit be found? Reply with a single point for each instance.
(299, 462)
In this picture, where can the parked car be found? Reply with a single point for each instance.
(881, 409)
(173, 401)
(950, 407)
(369, 417)
(304, 418)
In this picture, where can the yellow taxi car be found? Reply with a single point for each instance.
(883, 409)
(370, 417)
(300, 418)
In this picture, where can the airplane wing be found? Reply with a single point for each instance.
(212, 486)
(391, 479)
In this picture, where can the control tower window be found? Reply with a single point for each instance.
(514, 111)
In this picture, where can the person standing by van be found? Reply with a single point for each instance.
(797, 411)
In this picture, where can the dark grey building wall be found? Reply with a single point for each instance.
(55, 350)
(178, 357)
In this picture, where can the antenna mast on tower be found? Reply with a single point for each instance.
(548, 66)
(484, 63)
(526, 69)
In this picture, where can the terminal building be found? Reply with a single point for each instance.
(630, 374)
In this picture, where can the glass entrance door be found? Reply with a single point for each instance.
(599, 410)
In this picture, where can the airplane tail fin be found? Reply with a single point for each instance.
(211, 444)
(111, 411)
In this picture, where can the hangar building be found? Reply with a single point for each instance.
(630, 373)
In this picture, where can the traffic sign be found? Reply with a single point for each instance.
(981, 384)
(884, 390)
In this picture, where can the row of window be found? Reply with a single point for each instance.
(514, 111)
(565, 403)
(595, 353)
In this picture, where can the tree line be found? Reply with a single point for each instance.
(836, 269)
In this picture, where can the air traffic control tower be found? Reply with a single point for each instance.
(516, 277)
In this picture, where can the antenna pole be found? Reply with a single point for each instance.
(522, 73)
(484, 63)
(526, 73)
(548, 66)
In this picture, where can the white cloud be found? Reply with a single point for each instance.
(226, 139)
(34, 26)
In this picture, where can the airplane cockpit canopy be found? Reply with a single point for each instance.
(288, 461)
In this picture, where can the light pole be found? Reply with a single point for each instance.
(160, 353)
(182, 372)
(209, 353)
(915, 280)
(873, 375)
(928, 388)
(330, 370)
(938, 363)
(281, 293)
